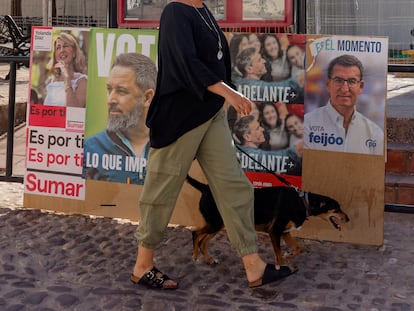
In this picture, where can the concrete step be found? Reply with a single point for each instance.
(400, 159)
(19, 116)
(400, 130)
(399, 169)
(399, 174)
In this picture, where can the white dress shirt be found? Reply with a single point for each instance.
(323, 130)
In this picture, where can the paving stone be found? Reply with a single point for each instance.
(35, 298)
(15, 307)
(67, 300)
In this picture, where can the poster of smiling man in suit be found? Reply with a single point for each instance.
(346, 91)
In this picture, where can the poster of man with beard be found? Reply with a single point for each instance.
(119, 151)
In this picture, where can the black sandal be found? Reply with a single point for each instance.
(153, 279)
(271, 274)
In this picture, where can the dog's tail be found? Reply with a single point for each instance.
(196, 184)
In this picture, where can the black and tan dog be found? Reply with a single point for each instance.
(277, 211)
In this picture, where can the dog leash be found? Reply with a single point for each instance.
(302, 194)
(283, 180)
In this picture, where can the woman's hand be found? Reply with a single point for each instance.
(240, 103)
(60, 70)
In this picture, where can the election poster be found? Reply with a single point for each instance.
(269, 70)
(56, 112)
(116, 138)
(317, 122)
(346, 93)
(344, 132)
(95, 161)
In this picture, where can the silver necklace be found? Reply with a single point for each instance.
(211, 27)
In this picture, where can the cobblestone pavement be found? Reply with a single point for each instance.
(60, 262)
